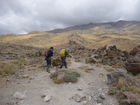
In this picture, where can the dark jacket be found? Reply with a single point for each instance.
(49, 54)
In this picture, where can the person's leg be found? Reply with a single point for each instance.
(61, 65)
(65, 63)
(48, 64)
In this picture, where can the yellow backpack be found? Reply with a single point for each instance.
(62, 52)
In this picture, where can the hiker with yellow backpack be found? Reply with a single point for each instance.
(63, 55)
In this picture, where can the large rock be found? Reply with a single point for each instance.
(133, 64)
(20, 95)
(109, 55)
(130, 98)
(114, 77)
(135, 50)
(81, 98)
(47, 98)
(90, 60)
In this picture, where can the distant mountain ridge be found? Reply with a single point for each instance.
(116, 25)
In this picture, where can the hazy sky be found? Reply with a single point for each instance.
(20, 16)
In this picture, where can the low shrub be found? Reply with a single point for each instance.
(7, 69)
(61, 76)
(71, 77)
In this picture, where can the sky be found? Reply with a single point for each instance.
(22, 16)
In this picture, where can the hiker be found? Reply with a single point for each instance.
(63, 55)
(48, 54)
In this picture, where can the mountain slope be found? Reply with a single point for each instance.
(124, 34)
(110, 25)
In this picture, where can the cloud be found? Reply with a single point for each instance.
(20, 16)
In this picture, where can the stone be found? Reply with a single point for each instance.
(76, 98)
(25, 76)
(79, 98)
(79, 89)
(131, 98)
(102, 96)
(99, 104)
(108, 55)
(47, 98)
(133, 65)
(135, 50)
(90, 60)
(19, 95)
(99, 100)
(114, 77)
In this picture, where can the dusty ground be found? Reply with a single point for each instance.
(90, 84)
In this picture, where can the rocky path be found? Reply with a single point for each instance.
(91, 89)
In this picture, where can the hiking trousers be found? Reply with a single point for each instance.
(63, 62)
(48, 61)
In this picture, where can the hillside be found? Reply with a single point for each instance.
(96, 74)
(124, 34)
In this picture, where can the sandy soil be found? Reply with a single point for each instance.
(90, 84)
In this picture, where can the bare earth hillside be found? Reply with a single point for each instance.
(125, 35)
(104, 56)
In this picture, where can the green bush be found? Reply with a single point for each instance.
(68, 76)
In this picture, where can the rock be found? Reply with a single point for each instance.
(47, 98)
(79, 98)
(130, 98)
(133, 65)
(43, 96)
(114, 77)
(109, 55)
(19, 95)
(135, 50)
(90, 60)
(99, 100)
(99, 104)
(25, 76)
(134, 68)
(102, 96)
(84, 102)
(79, 89)
(76, 98)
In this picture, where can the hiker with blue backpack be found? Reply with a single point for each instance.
(48, 57)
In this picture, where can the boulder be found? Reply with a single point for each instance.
(114, 77)
(80, 98)
(20, 95)
(109, 55)
(130, 98)
(134, 68)
(47, 98)
(133, 65)
(90, 60)
(135, 50)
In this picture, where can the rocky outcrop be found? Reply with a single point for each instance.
(125, 87)
(133, 63)
(114, 77)
(109, 55)
(135, 50)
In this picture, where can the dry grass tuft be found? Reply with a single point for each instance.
(7, 69)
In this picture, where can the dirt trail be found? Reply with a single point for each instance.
(91, 84)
